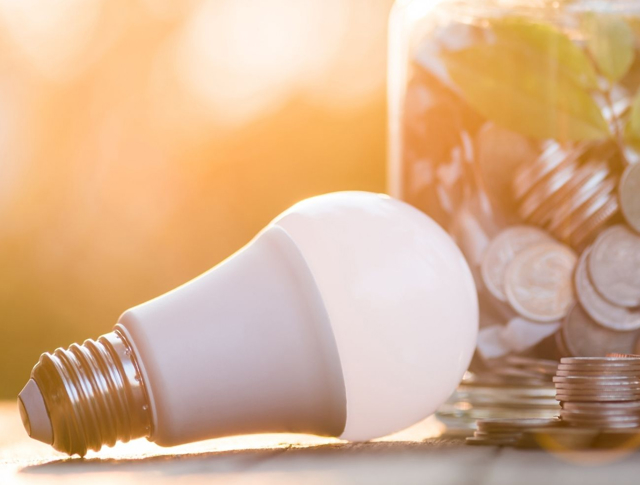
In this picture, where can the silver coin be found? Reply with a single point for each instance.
(601, 412)
(616, 366)
(590, 374)
(629, 194)
(614, 266)
(595, 407)
(584, 337)
(581, 217)
(592, 176)
(597, 380)
(599, 418)
(501, 251)
(596, 398)
(598, 391)
(553, 158)
(508, 424)
(601, 310)
(537, 206)
(617, 416)
(603, 366)
(621, 385)
(592, 226)
(597, 360)
(538, 282)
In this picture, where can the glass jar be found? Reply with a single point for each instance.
(515, 124)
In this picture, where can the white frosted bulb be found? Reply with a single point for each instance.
(352, 314)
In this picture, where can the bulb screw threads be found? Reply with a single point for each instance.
(94, 394)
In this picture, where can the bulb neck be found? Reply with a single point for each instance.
(94, 394)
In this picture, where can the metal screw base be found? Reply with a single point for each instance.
(94, 394)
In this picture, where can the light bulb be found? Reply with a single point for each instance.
(351, 314)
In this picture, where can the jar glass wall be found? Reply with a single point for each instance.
(515, 124)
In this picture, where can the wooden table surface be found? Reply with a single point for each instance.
(409, 457)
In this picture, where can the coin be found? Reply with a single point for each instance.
(629, 194)
(587, 366)
(595, 173)
(596, 398)
(509, 424)
(538, 205)
(506, 432)
(501, 251)
(628, 385)
(595, 407)
(591, 227)
(614, 265)
(601, 412)
(611, 418)
(597, 391)
(584, 337)
(538, 281)
(595, 360)
(586, 374)
(597, 380)
(582, 216)
(553, 157)
(601, 310)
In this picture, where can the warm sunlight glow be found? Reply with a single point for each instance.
(54, 37)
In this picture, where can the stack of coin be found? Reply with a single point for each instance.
(488, 396)
(573, 198)
(525, 267)
(599, 392)
(506, 432)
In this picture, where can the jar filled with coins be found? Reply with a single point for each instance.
(515, 124)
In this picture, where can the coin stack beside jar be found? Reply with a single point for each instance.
(506, 432)
(599, 392)
(515, 395)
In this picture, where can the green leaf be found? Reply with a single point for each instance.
(512, 84)
(610, 41)
(548, 43)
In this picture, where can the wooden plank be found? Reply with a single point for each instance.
(272, 459)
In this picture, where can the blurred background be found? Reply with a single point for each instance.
(143, 141)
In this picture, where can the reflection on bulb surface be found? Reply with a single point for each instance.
(352, 314)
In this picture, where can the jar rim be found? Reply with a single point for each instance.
(548, 7)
